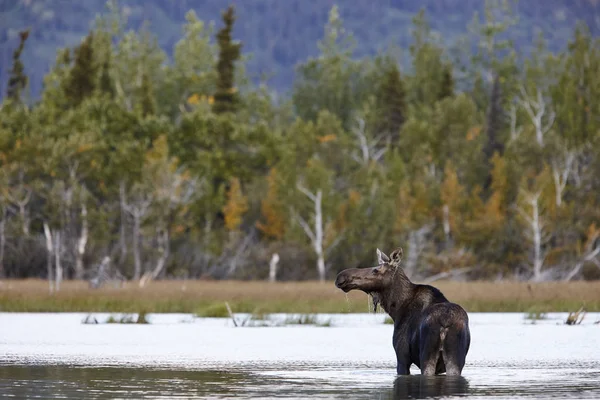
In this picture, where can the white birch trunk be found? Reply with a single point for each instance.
(536, 109)
(537, 239)
(2, 243)
(137, 259)
(560, 175)
(316, 236)
(446, 223)
(164, 251)
(57, 262)
(273, 267)
(81, 243)
(50, 253)
(123, 223)
(536, 232)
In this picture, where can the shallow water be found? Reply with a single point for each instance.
(55, 355)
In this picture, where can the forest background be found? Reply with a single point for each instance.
(147, 155)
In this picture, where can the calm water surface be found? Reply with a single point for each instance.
(176, 356)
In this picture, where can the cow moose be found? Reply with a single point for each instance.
(429, 331)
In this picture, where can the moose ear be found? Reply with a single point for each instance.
(397, 255)
(382, 258)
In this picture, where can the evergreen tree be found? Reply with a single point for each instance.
(447, 85)
(229, 52)
(147, 102)
(83, 77)
(106, 83)
(493, 126)
(18, 80)
(392, 104)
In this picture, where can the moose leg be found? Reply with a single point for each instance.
(402, 359)
(455, 349)
(430, 348)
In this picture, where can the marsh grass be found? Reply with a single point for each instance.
(575, 318)
(534, 315)
(282, 297)
(141, 318)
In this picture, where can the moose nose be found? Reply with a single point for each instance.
(340, 280)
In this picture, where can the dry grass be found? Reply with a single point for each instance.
(293, 297)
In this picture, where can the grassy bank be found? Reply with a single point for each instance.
(293, 297)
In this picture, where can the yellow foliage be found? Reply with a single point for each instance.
(193, 99)
(236, 206)
(84, 147)
(18, 144)
(354, 197)
(211, 100)
(473, 133)
(327, 138)
(272, 210)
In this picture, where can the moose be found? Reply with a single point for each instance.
(429, 331)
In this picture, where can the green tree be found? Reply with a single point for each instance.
(83, 76)
(391, 103)
(226, 97)
(17, 81)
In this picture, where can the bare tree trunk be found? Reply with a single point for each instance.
(318, 244)
(123, 225)
(591, 252)
(273, 267)
(446, 224)
(315, 237)
(50, 252)
(536, 232)
(164, 251)
(81, 243)
(537, 239)
(57, 261)
(416, 244)
(536, 109)
(2, 242)
(137, 259)
(560, 175)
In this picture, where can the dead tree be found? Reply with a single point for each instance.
(537, 111)
(82, 241)
(561, 169)
(368, 150)
(536, 230)
(590, 254)
(138, 210)
(315, 234)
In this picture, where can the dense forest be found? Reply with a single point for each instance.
(278, 35)
(481, 162)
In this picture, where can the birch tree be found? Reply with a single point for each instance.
(316, 232)
(538, 109)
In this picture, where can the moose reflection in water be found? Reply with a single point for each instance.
(423, 387)
(429, 331)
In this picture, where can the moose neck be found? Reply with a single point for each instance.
(397, 295)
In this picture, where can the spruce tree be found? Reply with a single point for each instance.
(447, 84)
(18, 80)
(147, 101)
(83, 76)
(225, 99)
(106, 84)
(392, 103)
(493, 127)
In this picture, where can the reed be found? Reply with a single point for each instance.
(288, 297)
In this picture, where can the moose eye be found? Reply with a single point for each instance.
(375, 271)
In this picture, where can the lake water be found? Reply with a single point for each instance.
(177, 356)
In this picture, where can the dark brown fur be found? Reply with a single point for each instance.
(429, 331)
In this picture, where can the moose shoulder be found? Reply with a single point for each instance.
(429, 331)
